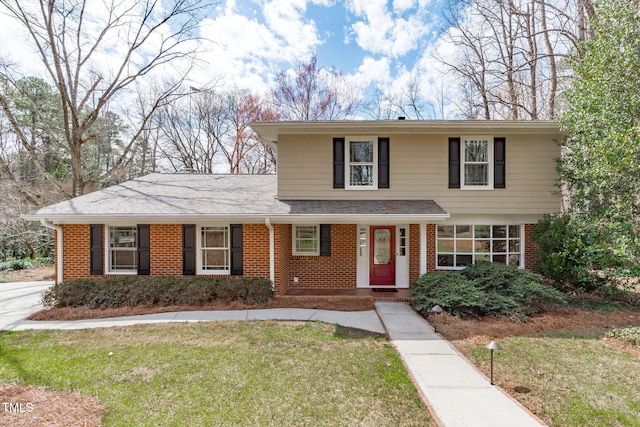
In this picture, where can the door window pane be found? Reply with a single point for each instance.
(382, 246)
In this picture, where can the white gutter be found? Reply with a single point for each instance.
(59, 247)
(272, 252)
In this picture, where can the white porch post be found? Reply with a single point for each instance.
(423, 249)
(272, 252)
(59, 248)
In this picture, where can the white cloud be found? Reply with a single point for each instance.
(373, 71)
(401, 6)
(246, 50)
(381, 31)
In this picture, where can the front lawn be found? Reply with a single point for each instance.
(220, 373)
(568, 377)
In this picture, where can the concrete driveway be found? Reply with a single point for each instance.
(18, 300)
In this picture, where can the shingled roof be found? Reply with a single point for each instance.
(189, 197)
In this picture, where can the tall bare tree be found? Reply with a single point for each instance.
(508, 53)
(243, 150)
(94, 52)
(312, 92)
(209, 132)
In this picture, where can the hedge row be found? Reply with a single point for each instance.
(485, 288)
(120, 291)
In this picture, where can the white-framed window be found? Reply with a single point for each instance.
(306, 240)
(362, 163)
(214, 250)
(477, 162)
(461, 245)
(402, 241)
(122, 249)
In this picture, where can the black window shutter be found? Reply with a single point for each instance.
(454, 162)
(188, 249)
(338, 162)
(96, 249)
(383, 162)
(325, 239)
(499, 163)
(236, 249)
(144, 250)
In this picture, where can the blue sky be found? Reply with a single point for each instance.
(376, 42)
(244, 43)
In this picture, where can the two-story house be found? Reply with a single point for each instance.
(354, 204)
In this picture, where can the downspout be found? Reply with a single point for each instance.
(272, 252)
(59, 247)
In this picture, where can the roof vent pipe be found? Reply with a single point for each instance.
(401, 118)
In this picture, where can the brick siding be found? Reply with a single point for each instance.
(166, 249)
(76, 251)
(414, 252)
(255, 248)
(283, 243)
(335, 271)
(531, 259)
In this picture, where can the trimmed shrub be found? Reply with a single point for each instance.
(120, 291)
(450, 290)
(513, 289)
(482, 289)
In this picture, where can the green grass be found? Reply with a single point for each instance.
(569, 377)
(222, 373)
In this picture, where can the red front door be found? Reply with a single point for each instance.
(383, 256)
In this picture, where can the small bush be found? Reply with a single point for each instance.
(450, 290)
(120, 291)
(23, 264)
(484, 288)
(630, 335)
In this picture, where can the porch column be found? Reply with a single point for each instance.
(423, 249)
(272, 252)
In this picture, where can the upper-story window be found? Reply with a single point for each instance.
(477, 162)
(361, 165)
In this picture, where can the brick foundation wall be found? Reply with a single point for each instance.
(335, 271)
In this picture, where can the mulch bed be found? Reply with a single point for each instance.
(36, 406)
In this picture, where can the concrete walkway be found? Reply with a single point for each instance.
(365, 320)
(454, 389)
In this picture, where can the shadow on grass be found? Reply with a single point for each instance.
(356, 334)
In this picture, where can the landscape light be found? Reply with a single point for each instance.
(493, 345)
(436, 309)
